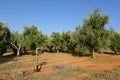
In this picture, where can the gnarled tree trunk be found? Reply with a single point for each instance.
(57, 51)
(17, 48)
(18, 51)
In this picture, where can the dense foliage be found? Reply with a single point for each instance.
(115, 41)
(4, 37)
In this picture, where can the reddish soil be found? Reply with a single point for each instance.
(102, 62)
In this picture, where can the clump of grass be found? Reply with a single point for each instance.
(13, 65)
(67, 68)
(109, 75)
(9, 65)
(63, 72)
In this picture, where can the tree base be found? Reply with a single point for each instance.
(37, 68)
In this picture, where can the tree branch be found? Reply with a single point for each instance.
(14, 45)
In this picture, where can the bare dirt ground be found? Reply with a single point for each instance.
(103, 62)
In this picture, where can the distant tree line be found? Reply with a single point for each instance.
(90, 37)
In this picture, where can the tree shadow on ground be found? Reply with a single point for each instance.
(111, 53)
(8, 56)
(81, 55)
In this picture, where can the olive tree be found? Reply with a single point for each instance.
(17, 41)
(94, 29)
(34, 38)
(66, 41)
(56, 41)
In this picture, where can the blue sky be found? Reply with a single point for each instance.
(56, 15)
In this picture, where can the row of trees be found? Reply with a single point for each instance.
(91, 37)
